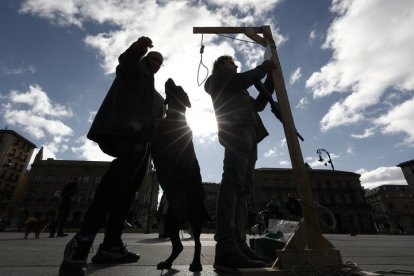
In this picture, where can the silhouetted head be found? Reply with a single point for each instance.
(225, 63)
(175, 96)
(155, 60)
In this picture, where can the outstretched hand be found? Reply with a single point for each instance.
(276, 110)
(143, 43)
(268, 65)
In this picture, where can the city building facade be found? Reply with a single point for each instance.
(15, 154)
(48, 177)
(338, 195)
(392, 208)
(408, 171)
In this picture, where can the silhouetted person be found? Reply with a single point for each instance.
(293, 206)
(273, 207)
(122, 128)
(239, 131)
(68, 199)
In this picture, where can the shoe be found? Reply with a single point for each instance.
(246, 250)
(118, 254)
(230, 260)
(61, 235)
(76, 255)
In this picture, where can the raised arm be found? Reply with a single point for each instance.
(128, 60)
(262, 99)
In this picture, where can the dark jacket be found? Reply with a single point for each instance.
(232, 103)
(131, 106)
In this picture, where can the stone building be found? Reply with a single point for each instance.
(392, 208)
(48, 177)
(15, 154)
(211, 193)
(339, 192)
(408, 171)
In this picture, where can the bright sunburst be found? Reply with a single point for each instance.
(202, 122)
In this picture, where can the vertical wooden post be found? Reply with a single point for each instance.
(311, 223)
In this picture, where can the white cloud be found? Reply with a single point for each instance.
(36, 114)
(296, 75)
(89, 150)
(285, 163)
(283, 142)
(350, 150)
(39, 102)
(59, 12)
(372, 44)
(312, 36)
(399, 120)
(17, 71)
(174, 40)
(381, 176)
(302, 103)
(270, 153)
(92, 115)
(367, 133)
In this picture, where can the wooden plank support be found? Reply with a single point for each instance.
(227, 30)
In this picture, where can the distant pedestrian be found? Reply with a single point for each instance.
(69, 197)
(273, 207)
(293, 207)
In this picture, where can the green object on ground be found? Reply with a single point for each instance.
(267, 244)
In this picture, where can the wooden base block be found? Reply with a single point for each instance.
(317, 257)
(265, 271)
(268, 271)
(313, 258)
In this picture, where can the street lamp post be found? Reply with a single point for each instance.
(319, 152)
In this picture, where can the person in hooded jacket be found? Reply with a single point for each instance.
(240, 129)
(122, 128)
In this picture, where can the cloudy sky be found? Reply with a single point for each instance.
(347, 66)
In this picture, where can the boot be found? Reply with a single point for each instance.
(76, 255)
(229, 257)
(116, 254)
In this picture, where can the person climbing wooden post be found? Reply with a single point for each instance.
(307, 244)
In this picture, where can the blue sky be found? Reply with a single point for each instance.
(347, 66)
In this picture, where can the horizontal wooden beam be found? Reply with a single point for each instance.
(227, 30)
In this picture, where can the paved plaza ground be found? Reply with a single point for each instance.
(42, 257)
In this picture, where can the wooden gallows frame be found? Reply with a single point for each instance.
(307, 244)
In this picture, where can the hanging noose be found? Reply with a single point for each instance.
(201, 64)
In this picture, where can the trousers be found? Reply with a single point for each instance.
(115, 194)
(240, 155)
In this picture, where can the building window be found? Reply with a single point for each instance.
(50, 179)
(36, 179)
(85, 180)
(98, 179)
(61, 178)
